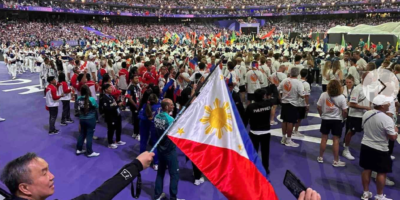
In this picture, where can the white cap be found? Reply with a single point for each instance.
(382, 100)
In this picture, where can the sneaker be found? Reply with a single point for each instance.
(297, 134)
(112, 146)
(155, 167)
(273, 123)
(2, 119)
(161, 196)
(63, 124)
(69, 121)
(80, 152)
(290, 143)
(346, 153)
(338, 164)
(94, 154)
(366, 195)
(120, 143)
(95, 138)
(381, 197)
(392, 157)
(138, 138)
(320, 159)
(283, 141)
(202, 180)
(388, 182)
(197, 182)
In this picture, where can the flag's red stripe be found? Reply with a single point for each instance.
(232, 174)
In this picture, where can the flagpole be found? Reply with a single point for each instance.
(197, 92)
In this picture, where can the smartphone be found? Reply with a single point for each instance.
(293, 184)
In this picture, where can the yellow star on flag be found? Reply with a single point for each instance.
(180, 131)
(221, 77)
(240, 147)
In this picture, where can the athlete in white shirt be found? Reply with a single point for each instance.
(332, 108)
(292, 91)
(303, 105)
(254, 80)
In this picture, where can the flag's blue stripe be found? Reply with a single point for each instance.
(251, 152)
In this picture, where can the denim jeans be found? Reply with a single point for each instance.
(87, 131)
(53, 117)
(66, 111)
(169, 159)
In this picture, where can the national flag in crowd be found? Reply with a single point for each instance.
(280, 40)
(317, 40)
(397, 44)
(211, 133)
(218, 35)
(269, 34)
(343, 44)
(310, 35)
(368, 44)
(233, 37)
(193, 63)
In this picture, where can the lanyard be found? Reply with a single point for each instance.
(138, 187)
(349, 94)
(370, 117)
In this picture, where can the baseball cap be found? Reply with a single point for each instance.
(374, 54)
(382, 100)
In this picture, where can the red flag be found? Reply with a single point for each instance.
(187, 36)
(201, 37)
(218, 35)
(269, 34)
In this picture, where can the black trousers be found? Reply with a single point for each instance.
(264, 141)
(391, 146)
(135, 121)
(315, 75)
(53, 117)
(66, 115)
(196, 172)
(76, 105)
(114, 126)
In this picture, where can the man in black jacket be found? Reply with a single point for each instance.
(258, 115)
(112, 115)
(28, 178)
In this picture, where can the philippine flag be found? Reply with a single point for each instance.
(211, 133)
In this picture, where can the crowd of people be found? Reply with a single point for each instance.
(154, 81)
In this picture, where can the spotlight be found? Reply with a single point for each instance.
(288, 6)
(83, 1)
(162, 6)
(333, 3)
(323, 4)
(232, 7)
(383, 1)
(169, 7)
(279, 5)
(201, 8)
(393, 1)
(195, 7)
(243, 7)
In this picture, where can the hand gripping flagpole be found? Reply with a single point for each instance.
(197, 92)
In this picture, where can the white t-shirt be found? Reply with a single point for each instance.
(278, 77)
(357, 96)
(329, 110)
(347, 93)
(275, 66)
(288, 66)
(353, 71)
(92, 68)
(376, 129)
(254, 78)
(266, 73)
(292, 90)
(307, 92)
(235, 79)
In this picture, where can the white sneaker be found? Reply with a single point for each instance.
(388, 182)
(155, 167)
(112, 146)
(80, 152)
(161, 196)
(297, 134)
(381, 197)
(95, 138)
(197, 182)
(94, 154)
(138, 138)
(290, 143)
(346, 153)
(338, 164)
(366, 195)
(283, 141)
(202, 180)
(273, 123)
(391, 157)
(120, 143)
(2, 119)
(320, 159)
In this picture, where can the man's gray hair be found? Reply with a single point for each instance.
(294, 72)
(17, 172)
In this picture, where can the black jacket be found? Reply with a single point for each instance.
(109, 189)
(111, 113)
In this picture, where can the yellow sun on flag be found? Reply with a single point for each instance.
(217, 118)
(180, 131)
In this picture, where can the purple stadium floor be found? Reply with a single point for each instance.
(26, 125)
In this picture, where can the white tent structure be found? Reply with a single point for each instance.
(390, 28)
